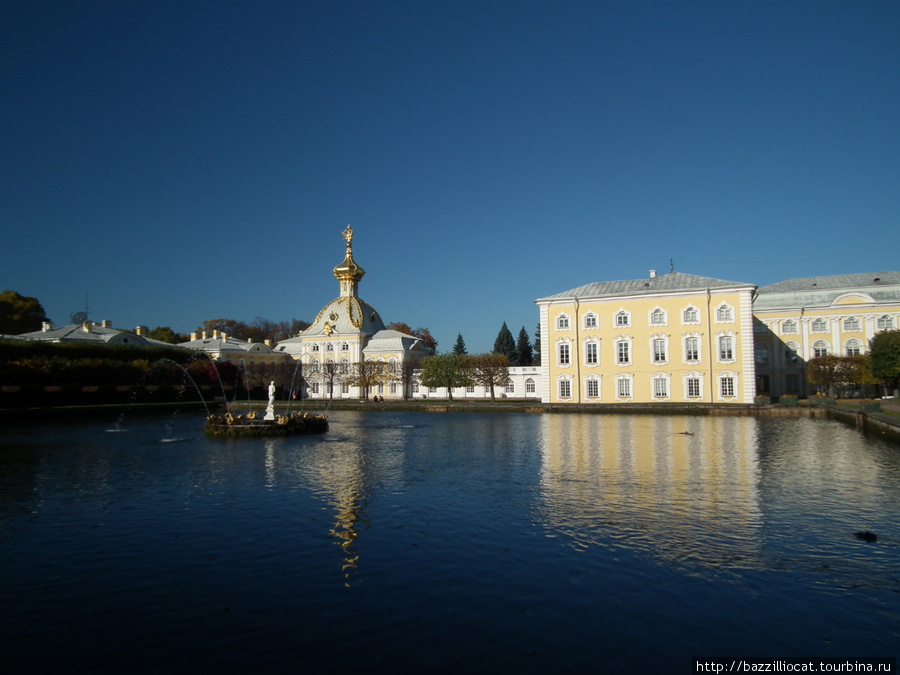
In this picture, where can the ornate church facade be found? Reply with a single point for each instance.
(347, 352)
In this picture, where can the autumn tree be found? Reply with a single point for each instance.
(20, 314)
(489, 371)
(505, 344)
(822, 372)
(460, 346)
(445, 370)
(367, 374)
(524, 354)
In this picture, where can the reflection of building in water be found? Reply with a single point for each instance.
(684, 496)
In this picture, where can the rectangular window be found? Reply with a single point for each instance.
(590, 321)
(593, 388)
(622, 352)
(690, 315)
(623, 388)
(693, 387)
(510, 387)
(660, 387)
(314, 387)
(622, 319)
(565, 389)
(564, 354)
(727, 386)
(659, 351)
(692, 349)
(345, 388)
(470, 389)
(726, 349)
(590, 350)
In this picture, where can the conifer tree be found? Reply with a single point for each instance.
(536, 361)
(460, 347)
(506, 345)
(523, 349)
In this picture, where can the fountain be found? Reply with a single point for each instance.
(271, 424)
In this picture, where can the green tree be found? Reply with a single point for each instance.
(489, 371)
(536, 361)
(445, 370)
(165, 334)
(525, 355)
(884, 357)
(20, 314)
(506, 345)
(460, 347)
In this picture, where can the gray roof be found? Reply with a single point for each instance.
(661, 283)
(217, 344)
(881, 287)
(87, 332)
(836, 281)
(394, 341)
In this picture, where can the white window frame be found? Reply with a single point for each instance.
(623, 344)
(725, 355)
(530, 386)
(659, 349)
(885, 322)
(591, 321)
(564, 354)
(853, 347)
(852, 324)
(658, 317)
(624, 387)
(695, 314)
(592, 383)
(819, 325)
(563, 322)
(661, 387)
(789, 327)
(688, 379)
(687, 351)
(625, 317)
(591, 351)
(731, 380)
(564, 387)
(724, 313)
(821, 348)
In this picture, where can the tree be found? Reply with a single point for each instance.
(884, 357)
(822, 372)
(20, 314)
(367, 374)
(165, 334)
(523, 349)
(422, 333)
(445, 370)
(536, 361)
(460, 347)
(490, 370)
(506, 345)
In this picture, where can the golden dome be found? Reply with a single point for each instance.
(349, 271)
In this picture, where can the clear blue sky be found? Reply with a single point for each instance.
(182, 161)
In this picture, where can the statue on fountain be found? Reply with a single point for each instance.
(270, 409)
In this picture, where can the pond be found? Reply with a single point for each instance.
(445, 543)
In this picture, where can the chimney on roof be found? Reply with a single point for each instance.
(141, 330)
(224, 335)
(46, 325)
(215, 335)
(193, 336)
(204, 335)
(249, 341)
(652, 273)
(86, 326)
(268, 343)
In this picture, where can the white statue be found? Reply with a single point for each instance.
(270, 409)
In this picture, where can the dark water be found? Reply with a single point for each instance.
(444, 543)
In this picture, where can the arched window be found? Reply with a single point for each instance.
(885, 322)
(345, 366)
(562, 322)
(592, 353)
(789, 326)
(315, 348)
(791, 352)
(530, 386)
(853, 347)
(820, 326)
(820, 348)
(510, 387)
(658, 317)
(590, 320)
(623, 318)
(724, 313)
(690, 315)
(851, 324)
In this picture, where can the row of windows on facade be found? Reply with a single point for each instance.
(509, 388)
(658, 317)
(344, 366)
(852, 347)
(660, 386)
(851, 324)
(329, 347)
(659, 351)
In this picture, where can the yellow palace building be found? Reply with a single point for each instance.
(671, 337)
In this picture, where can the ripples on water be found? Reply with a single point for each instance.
(446, 543)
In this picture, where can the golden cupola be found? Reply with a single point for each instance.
(348, 272)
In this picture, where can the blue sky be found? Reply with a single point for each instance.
(183, 161)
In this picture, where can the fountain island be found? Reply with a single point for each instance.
(270, 425)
